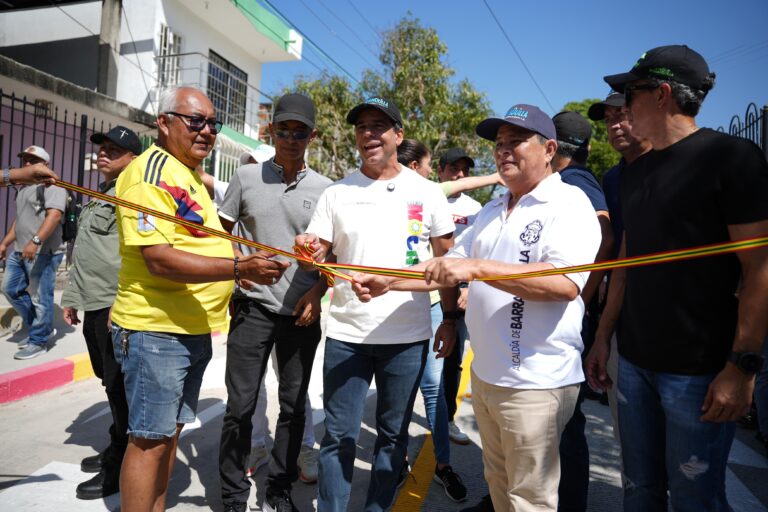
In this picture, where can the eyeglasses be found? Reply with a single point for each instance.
(630, 89)
(197, 123)
(297, 135)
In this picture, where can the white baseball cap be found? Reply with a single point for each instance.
(36, 151)
(260, 155)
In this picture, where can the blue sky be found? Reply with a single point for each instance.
(568, 46)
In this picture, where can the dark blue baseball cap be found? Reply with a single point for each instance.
(525, 116)
(382, 104)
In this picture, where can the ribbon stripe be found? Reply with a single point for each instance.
(333, 270)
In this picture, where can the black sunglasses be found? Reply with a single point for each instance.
(630, 89)
(297, 135)
(197, 123)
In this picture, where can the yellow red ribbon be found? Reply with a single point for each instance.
(333, 270)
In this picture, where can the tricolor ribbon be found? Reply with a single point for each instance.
(334, 270)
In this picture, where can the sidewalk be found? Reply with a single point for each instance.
(66, 360)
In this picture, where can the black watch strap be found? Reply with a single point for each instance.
(748, 362)
(450, 315)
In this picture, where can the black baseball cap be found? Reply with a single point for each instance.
(573, 128)
(530, 117)
(295, 107)
(382, 104)
(675, 62)
(120, 136)
(453, 155)
(596, 111)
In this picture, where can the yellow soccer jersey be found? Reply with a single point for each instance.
(145, 302)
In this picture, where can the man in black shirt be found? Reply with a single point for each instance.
(690, 331)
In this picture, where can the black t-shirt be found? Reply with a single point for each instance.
(680, 317)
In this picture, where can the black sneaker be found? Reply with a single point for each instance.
(452, 484)
(236, 507)
(485, 505)
(279, 501)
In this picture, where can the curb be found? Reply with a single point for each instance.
(22, 383)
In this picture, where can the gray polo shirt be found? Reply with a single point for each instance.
(30, 215)
(273, 212)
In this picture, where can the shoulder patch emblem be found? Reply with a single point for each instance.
(531, 233)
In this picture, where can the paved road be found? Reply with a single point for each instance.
(45, 436)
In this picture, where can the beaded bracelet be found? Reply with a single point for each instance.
(237, 271)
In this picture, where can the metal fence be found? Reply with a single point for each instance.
(754, 126)
(64, 134)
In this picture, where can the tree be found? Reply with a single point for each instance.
(439, 113)
(602, 156)
(334, 153)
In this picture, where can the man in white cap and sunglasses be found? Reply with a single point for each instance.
(30, 268)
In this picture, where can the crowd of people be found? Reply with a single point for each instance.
(676, 346)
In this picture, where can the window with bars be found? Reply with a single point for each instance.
(169, 66)
(228, 90)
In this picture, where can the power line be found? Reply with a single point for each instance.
(351, 30)
(522, 61)
(115, 51)
(136, 53)
(365, 20)
(335, 34)
(310, 41)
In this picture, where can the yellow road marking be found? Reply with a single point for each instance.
(415, 490)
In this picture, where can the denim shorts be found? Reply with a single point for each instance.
(163, 373)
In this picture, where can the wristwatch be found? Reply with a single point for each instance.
(748, 362)
(7, 177)
(36, 240)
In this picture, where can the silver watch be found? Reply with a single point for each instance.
(36, 240)
(7, 177)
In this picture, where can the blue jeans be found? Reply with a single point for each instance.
(452, 369)
(28, 286)
(761, 394)
(163, 373)
(664, 445)
(347, 373)
(434, 397)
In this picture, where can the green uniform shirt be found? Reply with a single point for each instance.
(96, 257)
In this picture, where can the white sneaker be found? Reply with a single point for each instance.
(307, 465)
(259, 456)
(456, 435)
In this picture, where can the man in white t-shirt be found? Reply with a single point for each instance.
(455, 165)
(527, 366)
(382, 215)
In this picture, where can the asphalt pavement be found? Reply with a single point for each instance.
(45, 436)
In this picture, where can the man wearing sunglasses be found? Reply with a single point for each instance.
(173, 291)
(271, 203)
(690, 332)
(36, 251)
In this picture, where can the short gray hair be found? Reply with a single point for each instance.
(687, 98)
(167, 100)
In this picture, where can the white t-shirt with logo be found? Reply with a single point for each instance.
(520, 343)
(464, 209)
(380, 223)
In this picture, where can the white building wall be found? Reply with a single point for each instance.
(141, 23)
(30, 26)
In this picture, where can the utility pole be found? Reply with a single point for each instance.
(109, 47)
